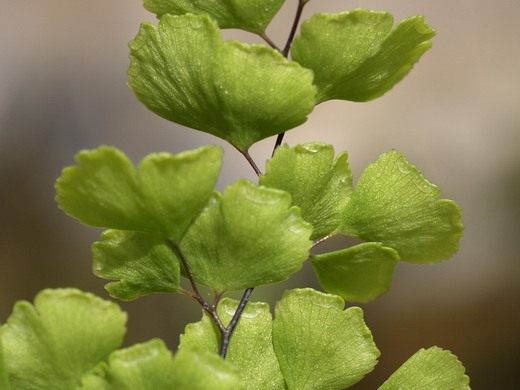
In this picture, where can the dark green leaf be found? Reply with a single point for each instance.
(319, 345)
(163, 196)
(360, 273)
(246, 237)
(183, 71)
(320, 186)
(394, 204)
(358, 55)
(141, 264)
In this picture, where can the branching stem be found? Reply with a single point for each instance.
(226, 336)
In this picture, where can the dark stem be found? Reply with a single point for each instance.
(285, 52)
(269, 41)
(226, 335)
(251, 162)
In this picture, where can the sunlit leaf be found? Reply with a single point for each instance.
(320, 186)
(360, 273)
(249, 15)
(394, 204)
(359, 55)
(319, 345)
(3, 371)
(246, 237)
(162, 196)
(141, 264)
(183, 71)
(432, 368)
(251, 348)
(51, 345)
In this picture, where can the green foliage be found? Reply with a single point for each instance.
(358, 55)
(162, 196)
(141, 264)
(394, 204)
(246, 237)
(241, 93)
(165, 220)
(320, 186)
(360, 273)
(251, 350)
(52, 344)
(432, 368)
(319, 345)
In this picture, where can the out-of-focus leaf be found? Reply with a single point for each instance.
(249, 15)
(248, 236)
(360, 273)
(358, 55)
(319, 345)
(183, 71)
(320, 186)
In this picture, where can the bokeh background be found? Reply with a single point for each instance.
(457, 116)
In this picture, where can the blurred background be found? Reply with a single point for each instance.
(457, 116)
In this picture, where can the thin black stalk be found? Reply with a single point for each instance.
(226, 336)
(269, 41)
(251, 162)
(285, 52)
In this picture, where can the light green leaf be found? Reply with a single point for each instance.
(251, 348)
(358, 55)
(183, 71)
(51, 345)
(162, 196)
(360, 273)
(246, 237)
(320, 186)
(4, 384)
(432, 368)
(394, 204)
(319, 345)
(150, 366)
(249, 15)
(141, 264)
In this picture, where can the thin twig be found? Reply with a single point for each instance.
(251, 162)
(323, 239)
(269, 41)
(226, 337)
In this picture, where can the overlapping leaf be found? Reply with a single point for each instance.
(183, 71)
(4, 384)
(162, 196)
(360, 273)
(141, 264)
(358, 55)
(151, 366)
(51, 345)
(319, 345)
(251, 348)
(320, 186)
(394, 204)
(432, 368)
(249, 15)
(246, 237)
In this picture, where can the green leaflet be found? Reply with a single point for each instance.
(319, 345)
(251, 348)
(358, 55)
(162, 196)
(320, 186)
(246, 237)
(394, 204)
(360, 273)
(432, 368)
(51, 345)
(183, 71)
(4, 384)
(249, 15)
(151, 366)
(141, 264)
